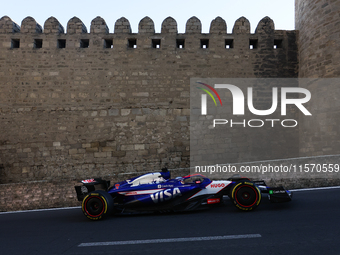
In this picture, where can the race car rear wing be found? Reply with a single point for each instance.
(90, 185)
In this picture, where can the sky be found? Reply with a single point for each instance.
(281, 11)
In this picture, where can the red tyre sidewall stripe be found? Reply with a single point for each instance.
(85, 207)
(257, 197)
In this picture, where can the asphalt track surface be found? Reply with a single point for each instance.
(310, 224)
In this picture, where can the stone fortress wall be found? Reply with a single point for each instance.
(79, 104)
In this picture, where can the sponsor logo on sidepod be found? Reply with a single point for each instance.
(165, 195)
(217, 185)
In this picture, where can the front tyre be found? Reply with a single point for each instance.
(97, 205)
(245, 195)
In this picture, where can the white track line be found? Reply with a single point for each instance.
(321, 188)
(41, 210)
(170, 240)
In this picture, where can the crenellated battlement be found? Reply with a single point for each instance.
(122, 25)
(30, 30)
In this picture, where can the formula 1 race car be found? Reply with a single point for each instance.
(157, 192)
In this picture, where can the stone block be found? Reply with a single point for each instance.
(125, 112)
(127, 147)
(139, 146)
(72, 151)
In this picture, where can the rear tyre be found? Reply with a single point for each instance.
(97, 205)
(245, 195)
